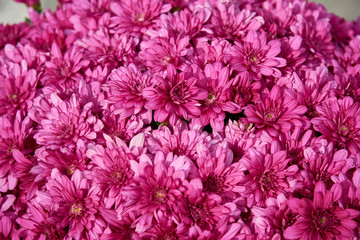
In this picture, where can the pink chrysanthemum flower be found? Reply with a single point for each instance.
(14, 134)
(267, 175)
(231, 22)
(38, 224)
(64, 123)
(18, 88)
(323, 163)
(125, 90)
(111, 169)
(63, 68)
(255, 56)
(339, 121)
(201, 211)
(12, 34)
(179, 140)
(277, 111)
(74, 203)
(215, 79)
(217, 171)
(209, 51)
(157, 185)
(166, 229)
(106, 49)
(321, 218)
(187, 22)
(240, 138)
(175, 97)
(157, 53)
(136, 16)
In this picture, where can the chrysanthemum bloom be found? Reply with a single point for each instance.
(14, 133)
(243, 90)
(63, 68)
(277, 111)
(136, 16)
(157, 53)
(165, 228)
(187, 22)
(175, 97)
(347, 86)
(74, 203)
(215, 79)
(38, 224)
(106, 49)
(63, 123)
(18, 88)
(322, 163)
(255, 56)
(157, 186)
(209, 52)
(217, 171)
(119, 228)
(339, 121)
(240, 138)
(321, 218)
(111, 166)
(65, 162)
(228, 20)
(201, 211)
(123, 128)
(349, 57)
(12, 34)
(125, 90)
(180, 140)
(267, 175)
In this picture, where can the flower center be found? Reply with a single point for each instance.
(322, 220)
(77, 209)
(178, 94)
(159, 195)
(118, 176)
(213, 183)
(198, 213)
(139, 17)
(71, 169)
(268, 182)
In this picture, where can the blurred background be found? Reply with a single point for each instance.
(12, 12)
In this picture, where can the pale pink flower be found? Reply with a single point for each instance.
(321, 218)
(175, 97)
(125, 89)
(256, 57)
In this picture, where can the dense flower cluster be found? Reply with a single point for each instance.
(178, 119)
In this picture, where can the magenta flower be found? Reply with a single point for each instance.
(175, 97)
(217, 171)
(215, 79)
(321, 218)
(157, 53)
(112, 170)
(74, 203)
(339, 121)
(63, 68)
(201, 211)
(157, 186)
(65, 123)
(125, 90)
(18, 88)
(267, 175)
(277, 111)
(136, 16)
(255, 56)
(232, 22)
